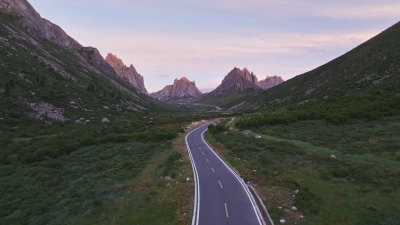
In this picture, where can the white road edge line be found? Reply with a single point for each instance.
(196, 203)
(241, 181)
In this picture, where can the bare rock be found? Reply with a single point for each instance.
(127, 73)
(105, 120)
(237, 80)
(269, 82)
(182, 88)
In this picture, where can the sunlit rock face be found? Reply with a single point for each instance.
(237, 80)
(127, 73)
(270, 81)
(182, 88)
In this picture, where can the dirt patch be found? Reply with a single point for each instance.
(280, 204)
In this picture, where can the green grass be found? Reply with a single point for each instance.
(76, 174)
(368, 70)
(229, 100)
(74, 188)
(360, 186)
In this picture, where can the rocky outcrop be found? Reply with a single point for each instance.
(182, 88)
(93, 56)
(270, 82)
(127, 73)
(237, 80)
(32, 21)
(42, 28)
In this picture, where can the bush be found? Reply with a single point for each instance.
(216, 128)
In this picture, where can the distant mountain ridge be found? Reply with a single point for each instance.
(45, 72)
(236, 80)
(182, 88)
(237, 88)
(270, 81)
(128, 73)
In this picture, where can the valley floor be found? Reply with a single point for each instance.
(315, 172)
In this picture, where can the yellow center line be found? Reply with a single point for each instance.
(220, 184)
(226, 211)
(213, 170)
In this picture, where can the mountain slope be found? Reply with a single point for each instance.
(127, 73)
(373, 68)
(182, 88)
(236, 80)
(75, 137)
(47, 70)
(234, 91)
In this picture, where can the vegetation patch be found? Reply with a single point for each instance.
(340, 172)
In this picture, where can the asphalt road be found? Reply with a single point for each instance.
(221, 196)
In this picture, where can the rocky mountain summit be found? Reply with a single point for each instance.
(270, 81)
(182, 88)
(45, 72)
(127, 73)
(237, 80)
(32, 21)
(42, 28)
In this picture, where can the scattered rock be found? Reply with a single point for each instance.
(258, 137)
(282, 220)
(333, 157)
(105, 107)
(167, 178)
(296, 191)
(294, 208)
(44, 110)
(188, 179)
(105, 120)
(81, 121)
(308, 92)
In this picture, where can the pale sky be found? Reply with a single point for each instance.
(204, 39)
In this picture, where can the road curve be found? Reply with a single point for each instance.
(221, 196)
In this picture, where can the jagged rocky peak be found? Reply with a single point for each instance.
(237, 80)
(181, 88)
(32, 21)
(42, 28)
(127, 73)
(270, 81)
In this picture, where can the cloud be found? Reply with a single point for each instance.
(205, 39)
(207, 60)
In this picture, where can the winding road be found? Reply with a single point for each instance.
(221, 196)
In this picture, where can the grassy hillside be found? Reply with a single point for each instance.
(230, 100)
(372, 68)
(327, 141)
(343, 174)
(37, 71)
(59, 164)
